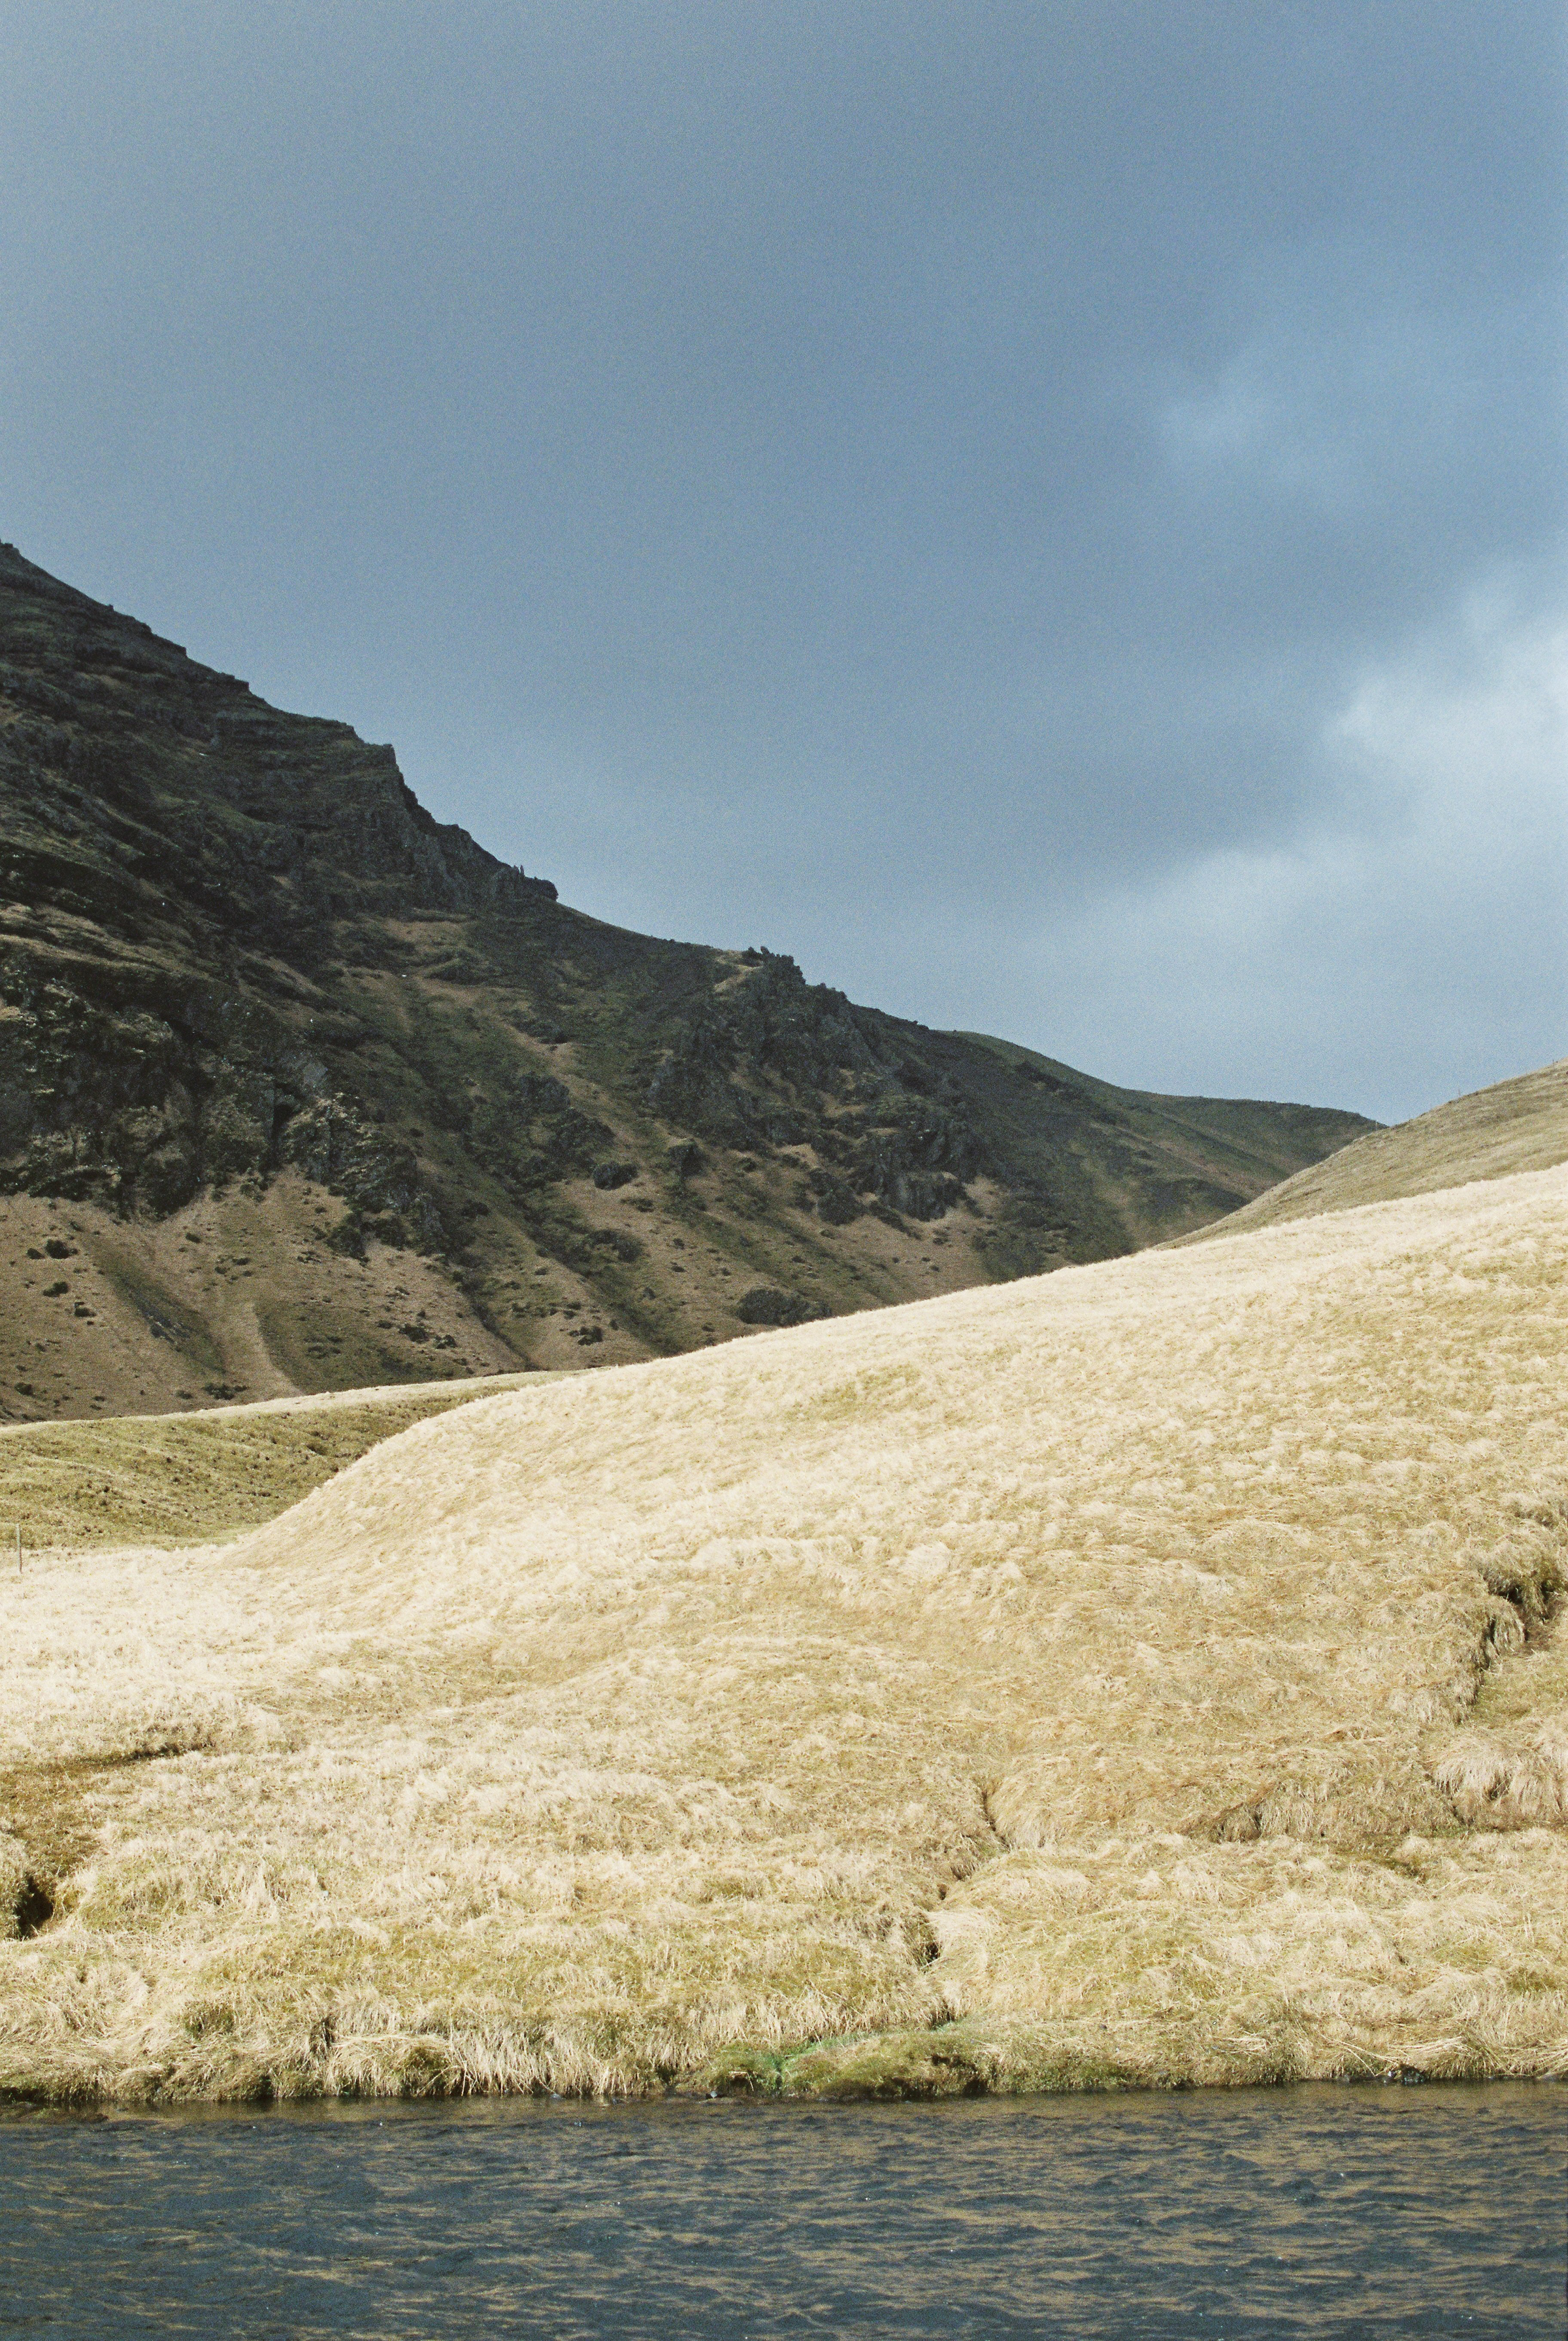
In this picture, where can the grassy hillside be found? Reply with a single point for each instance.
(1148, 1159)
(1516, 1125)
(175, 1478)
(1151, 1672)
(301, 1089)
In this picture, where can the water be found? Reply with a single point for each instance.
(1313, 2211)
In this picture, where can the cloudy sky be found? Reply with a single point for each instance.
(1052, 515)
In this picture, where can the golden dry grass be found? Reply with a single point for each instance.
(170, 1478)
(1491, 1133)
(1149, 1672)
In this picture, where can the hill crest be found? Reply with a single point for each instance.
(1516, 1125)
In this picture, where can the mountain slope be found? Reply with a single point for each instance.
(301, 1089)
(1514, 1125)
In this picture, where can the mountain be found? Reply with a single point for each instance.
(301, 1089)
(1516, 1125)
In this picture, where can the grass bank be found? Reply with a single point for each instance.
(1151, 1673)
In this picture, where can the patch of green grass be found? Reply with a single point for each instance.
(185, 1479)
(961, 2059)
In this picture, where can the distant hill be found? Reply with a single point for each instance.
(1516, 1125)
(301, 1089)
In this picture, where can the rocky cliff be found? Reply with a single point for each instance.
(314, 1091)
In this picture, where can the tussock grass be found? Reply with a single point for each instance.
(171, 1479)
(1491, 1133)
(1149, 1673)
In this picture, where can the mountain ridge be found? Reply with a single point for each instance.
(317, 1093)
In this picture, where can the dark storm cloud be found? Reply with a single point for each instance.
(1012, 505)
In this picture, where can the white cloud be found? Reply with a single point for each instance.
(1417, 931)
(1333, 407)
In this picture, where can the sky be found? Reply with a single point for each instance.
(1052, 514)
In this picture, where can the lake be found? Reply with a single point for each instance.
(1312, 2211)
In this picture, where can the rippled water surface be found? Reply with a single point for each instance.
(1319, 2212)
